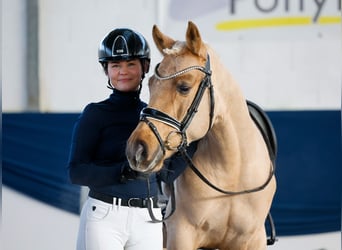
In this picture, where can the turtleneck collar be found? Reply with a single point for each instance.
(125, 98)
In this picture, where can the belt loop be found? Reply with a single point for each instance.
(113, 203)
(116, 202)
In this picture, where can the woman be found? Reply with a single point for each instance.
(115, 215)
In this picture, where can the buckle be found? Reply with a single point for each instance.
(132, 204)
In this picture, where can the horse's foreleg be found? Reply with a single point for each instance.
(180, 240)
(164, 237)
(181, 243)
(259, 241)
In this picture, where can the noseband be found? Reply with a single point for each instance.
(154, 114)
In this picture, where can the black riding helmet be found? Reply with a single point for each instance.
(124, 44)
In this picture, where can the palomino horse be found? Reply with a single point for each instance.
(231, 152)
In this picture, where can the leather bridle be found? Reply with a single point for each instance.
(154, 114)
(148, 114)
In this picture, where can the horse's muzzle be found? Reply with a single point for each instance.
(142, 156)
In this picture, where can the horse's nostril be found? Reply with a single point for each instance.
(140, 153)
(142, 156)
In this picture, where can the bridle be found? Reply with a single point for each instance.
(154, 114)
(148, 114)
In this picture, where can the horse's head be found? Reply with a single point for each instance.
(177, 114)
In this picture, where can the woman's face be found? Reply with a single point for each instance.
(125, 75)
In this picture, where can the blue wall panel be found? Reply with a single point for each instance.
(308, 197)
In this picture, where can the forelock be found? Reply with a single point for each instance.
(176, 48)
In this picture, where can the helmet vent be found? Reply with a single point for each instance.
(120, 47)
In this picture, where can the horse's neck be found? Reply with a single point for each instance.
(232, 125)
(233, 151)
(229, 133)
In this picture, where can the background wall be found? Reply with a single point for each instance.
(285, 55)
(291, 62)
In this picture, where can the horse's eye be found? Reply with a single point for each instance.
(183, 89)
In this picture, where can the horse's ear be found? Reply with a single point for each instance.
(162, 41)
(194, 40)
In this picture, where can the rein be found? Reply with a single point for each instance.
(206, 181)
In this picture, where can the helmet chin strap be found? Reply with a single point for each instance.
(109, 85)
(140, 87)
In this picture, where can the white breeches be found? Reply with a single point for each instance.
(104, 226)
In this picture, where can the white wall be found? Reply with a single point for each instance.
(278, 67)
(281, 67)
(70, 74)
(13, 54)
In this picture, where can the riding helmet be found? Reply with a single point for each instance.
(123, 44)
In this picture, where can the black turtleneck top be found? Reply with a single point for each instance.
(97, 155)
